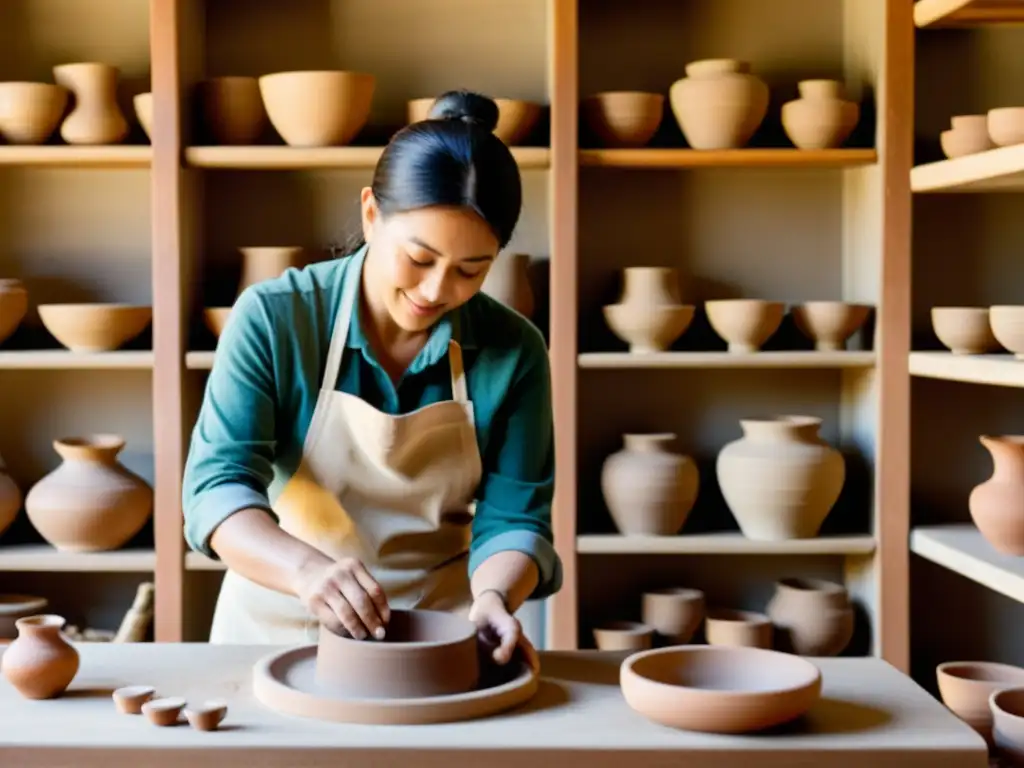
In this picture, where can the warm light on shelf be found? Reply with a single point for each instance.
(287, 158)
(731, 543)
(726, 158)
(958, 13)
(61, 156)
(784, 359)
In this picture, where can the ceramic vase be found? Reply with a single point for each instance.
(780, 480)
(267, 262)
(997, 505)
(649, 489)
(508, 281)
(40, 663)
(648, 315)
(13, 306)
(10, 498)
(96, 117)
(719, 104)
(821, 118)
(812, 617)
(90, 502)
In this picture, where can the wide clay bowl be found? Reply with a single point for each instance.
(1007, 708)
(966, 686)
(829, 323)
(738, 629)
(623, 118)
(94, 327)
(718, 689)
(423, 654)
(1007, 323)
(648, 328)
(516, 118)
(964, 330)
(745, 324)
(30, 112)
(318, 109)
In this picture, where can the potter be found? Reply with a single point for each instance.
(376, 432)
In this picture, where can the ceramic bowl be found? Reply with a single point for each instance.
(516, 118)
(1007, 709)
(206, 716)
(829, 323)
(738, 629)
(94, 327)
(143, 103)
(964, 330)
(719, 689)
(966, 686)
(30, 112)
(623, 636)
(216, 318)
(318, 108)
(674, 613)
(745, 324)
(130, 699)
(1007, 323)
(14, 607)
(623, 118)
(1006, 125)
(648, 328)
(232, 109)
(164, 712)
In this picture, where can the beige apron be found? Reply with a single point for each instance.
(393, 491)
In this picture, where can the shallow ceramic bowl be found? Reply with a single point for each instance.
(424, 653)
(719, 689)
(318, 108)
(648, 328)
(1007, 323)
(745, 324)
(1006, 125)
(829, 323)
(516, 118)
(30, 112)
(94, 327)
(13, 306)
(966, 686)
(144, 112)
(216, 318)
(964, 330)
(623, 118)
(1007, 709)
(14, 607)
(738, 629)
(623, 636)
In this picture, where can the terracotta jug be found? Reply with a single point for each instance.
(812, 617)
(719, 104)
(821, 118)
(96, 117)
(90, 502)
(997, 505)
(261, 263)
(508, 281)
(10, 498)
(780, 480)
(648, 489)
(41, 662)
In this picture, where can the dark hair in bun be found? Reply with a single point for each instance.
(452, 158)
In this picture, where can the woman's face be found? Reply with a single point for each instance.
(426, 262)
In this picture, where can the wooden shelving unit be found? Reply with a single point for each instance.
(963, 550)
(320, 158)
(995, 370)
(77, 157)
(728, 158)
(997, 170)
(966, 13)
(710, 360)
(721, 544)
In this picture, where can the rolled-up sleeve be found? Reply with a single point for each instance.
(513, 504)
(230, 460)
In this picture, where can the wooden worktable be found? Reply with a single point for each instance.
(870, 715)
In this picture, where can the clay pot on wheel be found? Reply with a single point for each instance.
(40, 663)
(96, 117)
(508, 281)
(719, 104)
(812, 617)
(997, 505)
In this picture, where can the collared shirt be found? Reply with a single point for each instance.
(260, 396)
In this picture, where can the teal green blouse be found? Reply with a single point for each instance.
(260, 395)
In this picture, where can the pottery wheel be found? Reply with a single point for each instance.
(286, 682)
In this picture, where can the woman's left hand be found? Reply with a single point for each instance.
(500, 630)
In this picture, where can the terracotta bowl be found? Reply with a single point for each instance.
(318, 109)
(829, 323)
(1007, 323)
(623, 636)
(424, 653)
(1006, 125)
(516, 118)
(718, 689)
(130, 699)
(144, 112)
(13, 306)
(216, 318)
(232, 109)
(623, 118)
(738, 629)
(745, 324)
(1007, 709)
(94, 327)
(30, 112)
(14, 607)
(648, 328)
(967, 136)
(964, 330)
(966, 686)
(674, 613)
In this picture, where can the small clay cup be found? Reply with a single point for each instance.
(674, 613)
(1007, 322)
(1007, 709)
(623, 636)
(207, 716)
(964, 330)
(1006, 125)
(164, 712)
(745, 324)
(966, 686)
(738, 629)
(130, 699)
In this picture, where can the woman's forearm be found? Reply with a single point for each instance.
(512, 573)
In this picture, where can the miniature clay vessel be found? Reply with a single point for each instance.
(1006, 126)
(10, 500)
(623, 636)
(745, 324)
(40, 663)
(130, 699)
(215, 318)
(623, 119)
(96, 117)
(30, 112)
(508, 281)
(966, 686)
(232, 110)
(14, 607)
(318, 108)
(1007, 322)
(164, 712)
(674, 613)
(997, 505)
(964, 330)
(207, 716)
(719, 689)
(812, 617)
(648, 489)
(719, 104)
(1007, 707)
(967, 136)
(738, 629)
(829, 323)
(143, 104)
(91, 502)
(780, 480)
(649, 315)
(821, 118)
(261, 263)
(94, 327)
(13, 306)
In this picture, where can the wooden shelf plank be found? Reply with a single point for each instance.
(730, 543)
(726, 158)
(296, 158)
(997, 170)
(114, 156)
(796, 359)
(962, 13)
(196, 561)
(199, 361)
(43, 557)
(53, 359)
(995, 370)
(962, 549)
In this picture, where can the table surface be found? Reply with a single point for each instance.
(869, 714)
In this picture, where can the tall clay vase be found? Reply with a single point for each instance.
(508, 281)
(90, 503)
(96, 117)
(997, 505)
(40, 663)
(719, 104)
(10, 498)
(780, 480)
(821, 118)
(267, 262)
(648, 489)
(812, 617)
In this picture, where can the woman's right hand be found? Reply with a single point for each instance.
(344, 597)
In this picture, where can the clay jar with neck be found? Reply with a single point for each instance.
(719, 104)
(997, 505)
(261, 263)
(508, 281)
(812, 617)
(40, 663)
(821, 118)
(96, 117)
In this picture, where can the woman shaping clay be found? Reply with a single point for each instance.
(376, 433)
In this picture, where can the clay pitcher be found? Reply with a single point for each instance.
(10, 498)
(719, 104)
(812, 617)
(508, 281)
(997, 505)
(96, 117)
(40, 663)
(261, 263)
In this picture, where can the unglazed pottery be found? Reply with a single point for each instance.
(738, 629)
(40, 663)
(215, 318)
(10, 499)
(318, 108)
(508, 281)
(96, 117)
(516, 118)
(129, 699)
(206, 716)
(719, 104)
(997, 505)
(1007, 707)
(821, 118)
(780, 480)
(164, 712)
(719, 689)
(232, 110)
(94, 327)
(143, 103)
(674, 613)
(812, 617)
(829, 323)
(649, 315)
(745, 324)
(965, 687)
(266, 262)
(964, 330)
(1006, 126)
(1007, 322)
(623, 636)
(967, 136)
(30, 112)
(13, 306)
(14, 607)
(623, 119)
(91, 502)
(649, 489)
